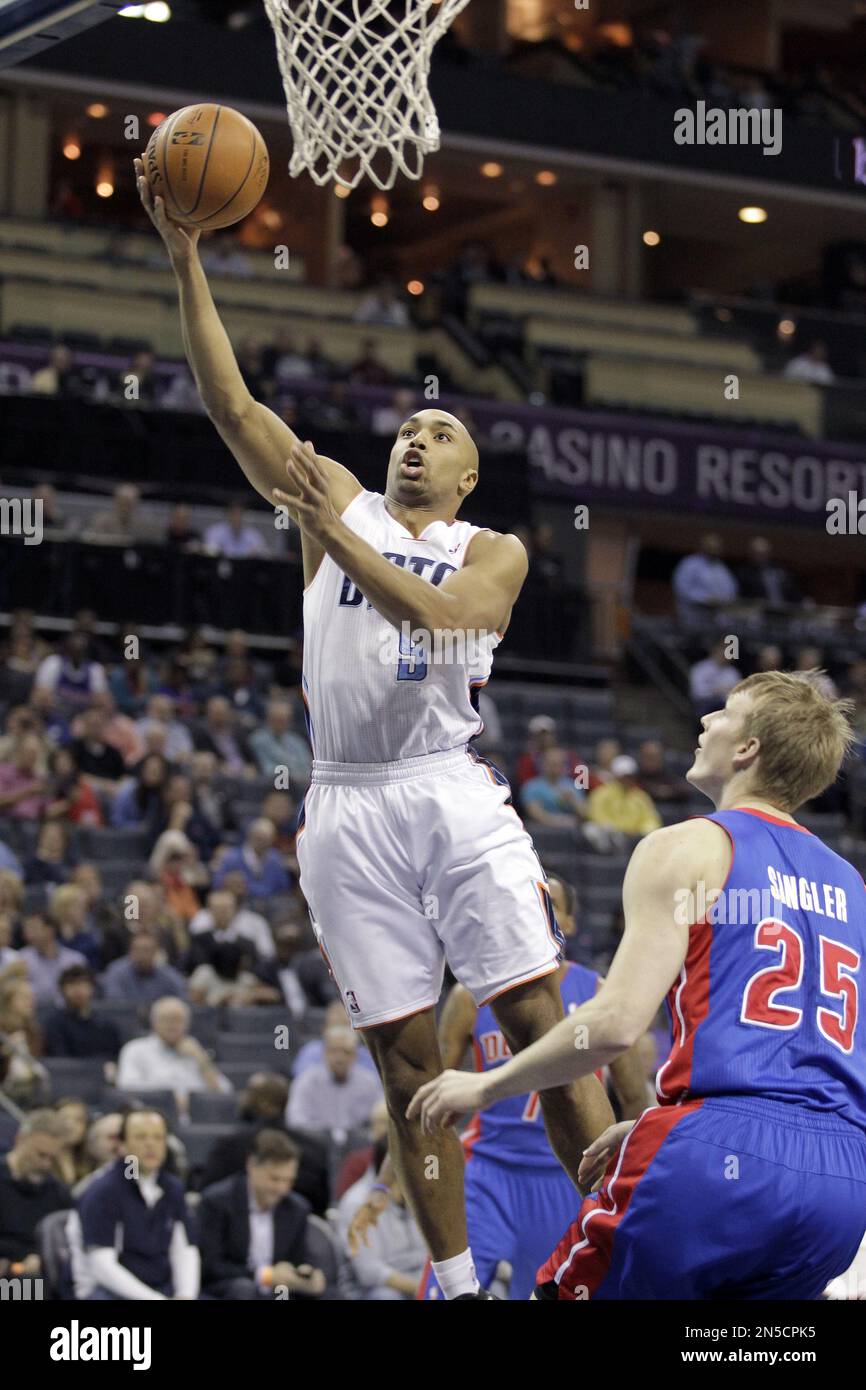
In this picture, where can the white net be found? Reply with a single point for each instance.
(355, 74)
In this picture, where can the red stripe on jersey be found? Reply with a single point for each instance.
(581, 1260)
(689, 1002)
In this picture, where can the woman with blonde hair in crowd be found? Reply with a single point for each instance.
(176, 867)
(73, 1161)
(22, 1076)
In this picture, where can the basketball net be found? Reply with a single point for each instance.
(355, 74)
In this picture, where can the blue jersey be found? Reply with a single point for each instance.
(512, 1131)
(767, 1002)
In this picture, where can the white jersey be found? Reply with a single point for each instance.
(374, 695)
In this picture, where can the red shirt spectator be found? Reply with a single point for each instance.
(542, 735)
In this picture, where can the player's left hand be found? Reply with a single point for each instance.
(306, 493)
(441, 1101)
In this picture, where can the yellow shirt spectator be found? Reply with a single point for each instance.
(621, 804)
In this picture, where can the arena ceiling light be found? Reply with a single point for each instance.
(157, 12)
(491, 169)
(651, 238)
(752, 215)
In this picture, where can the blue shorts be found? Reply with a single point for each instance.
(729, 1197)
(514, 1214)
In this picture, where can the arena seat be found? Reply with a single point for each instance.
(157, 1096)
(257, 1048)
(199, 1139)
(259, 1018)
(76, 1076)
(213, 1108)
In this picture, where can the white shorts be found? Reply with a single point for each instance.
(406, 864)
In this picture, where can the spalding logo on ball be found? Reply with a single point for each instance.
(209, 164)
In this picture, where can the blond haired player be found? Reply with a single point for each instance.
(748, 1179)
(410, 850)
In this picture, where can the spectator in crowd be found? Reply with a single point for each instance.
(22, 788)
(74, 1030)
(349, 270)
(770, 658)
(659, 785)
(131, 682)
(124, 522)
(552, 798)
(603, 754)
(23, 650)
(621, 805)
(51, 861)
(137, 382)
(711, 680)
(70, 679)
(335, 413)
(138, 977)
(812, 659)
(70, 796)
(276, 745)
(811, 365)
(566, 906)
(102, 916)
(254, 1228)
(11, 895)
(55, 526)
(24, 1080)
(135, 1226)
(762, 581)
(290, 939)
(67, 909)
(262, 1105)
(119, 731)
(223, 255)
(225, 919)
(223, 974)
(145, 907)
(383, 306)
(288, 363)
(239, 684)
(389, 1265)
(221, 735)
(259, 862)
(542, 735)
(29, 1191)
(21, 721)
(250, 359)
(176, 867)
(46, 957)
(357, 1163)
(178, 740)
(168, 1059)
(138, 801)
(235, 537)
(368, 369)
(60, 376)
(9, 956)
(97, 759)
(312, 1054)
(336, 1093)
(10, 861)
(702, 583)
(180, 534)
(855, 689)
(210, 804)
(315, 979)
(73, 1161)
(280, 810)
(387, 419)
(101, 1148)
(181, 812)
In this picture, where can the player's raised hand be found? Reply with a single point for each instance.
(307, 494)
(600, 1152)
(180, 242)
(441, 1101)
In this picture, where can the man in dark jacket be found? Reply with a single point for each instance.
(29, 1191)
(263, 1106)
(73, 1031)
(254, 1229)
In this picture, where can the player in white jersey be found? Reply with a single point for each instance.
(410, 851)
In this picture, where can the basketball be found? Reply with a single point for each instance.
(209, 163)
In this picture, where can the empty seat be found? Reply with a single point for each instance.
(157, 1096)
(114, 843)
(213, 1108)
(263, 1018)
(261, 1049)
(76, 1076)
(199, 1139)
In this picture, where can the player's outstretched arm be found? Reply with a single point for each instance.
(260, 441)
(664, 869)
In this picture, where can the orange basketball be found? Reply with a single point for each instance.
(209, 163)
